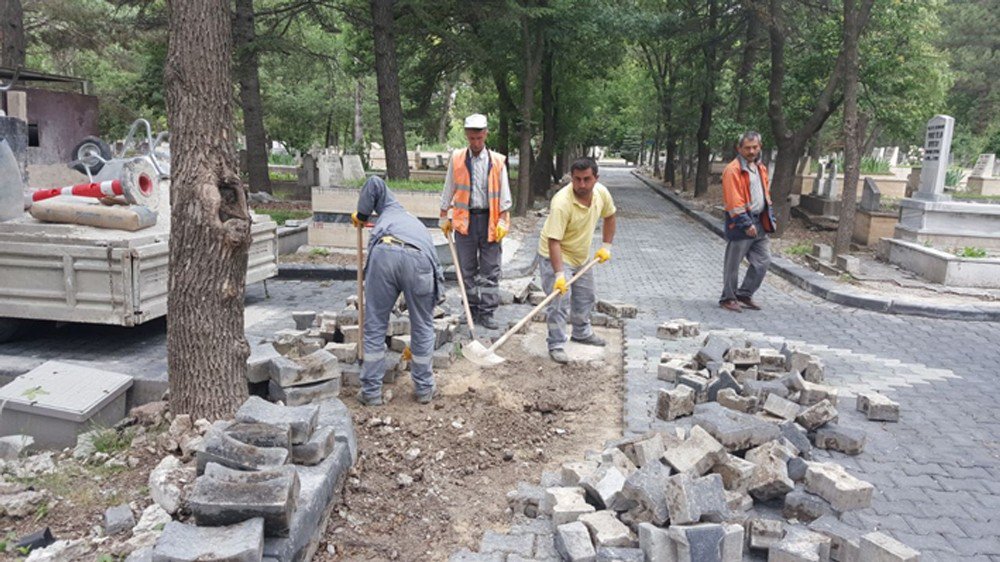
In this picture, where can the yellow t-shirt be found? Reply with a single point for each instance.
(573, 224)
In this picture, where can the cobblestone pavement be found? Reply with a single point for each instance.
(936, 472)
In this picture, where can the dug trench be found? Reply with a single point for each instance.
(431, 479)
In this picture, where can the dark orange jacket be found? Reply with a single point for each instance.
(736, 197)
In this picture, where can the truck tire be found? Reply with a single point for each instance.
(85, 150)
(9, 328)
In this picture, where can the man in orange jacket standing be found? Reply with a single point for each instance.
(477, 192)
(749, 218)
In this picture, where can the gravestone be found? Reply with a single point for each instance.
(818, 181)
(307, 172)
(831, 189)
(880, 153)
(329, 169)
(984, 166)
(892, 155)
(871, 197)
(937, 154)
(354, 170)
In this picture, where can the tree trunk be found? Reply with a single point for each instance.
(359, 123)
(253, 109)
(503, 135)
(12, 40)
(744, 78)
(542, 173)
(852, 134)
(704, 148)
(656, 152)
(210, 221)
(444, 124)
(389, 104)
(532, 39)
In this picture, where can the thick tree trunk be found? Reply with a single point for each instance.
(532, 44)
(12, 39)
(253, 109)
(210, 220)
(789, 153)
(359, 122)
(852, 134)
(389, 104)
(670, 166)
(704, 148)
(542, 173)
(444, 124)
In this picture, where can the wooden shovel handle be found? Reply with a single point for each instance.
(361, 294)
(461, 285)
(541, 305)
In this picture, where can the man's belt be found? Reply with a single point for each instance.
(479, 211)
(393, 241)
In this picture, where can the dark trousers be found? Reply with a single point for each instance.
(757, 252)
(480, 262)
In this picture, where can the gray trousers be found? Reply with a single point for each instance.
(393, 270)
(480, 262)
(577, 303)
(757, 251)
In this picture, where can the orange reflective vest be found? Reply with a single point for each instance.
(461, 163)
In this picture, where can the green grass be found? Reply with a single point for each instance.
(319, 252)
(110, 441)
(282, 176)
(281, 159)
(970, 252)
(953, 176)
(403, 185)
(281, 216)
(889, 204)
(871, 165)
(977, 197)
(800, 249)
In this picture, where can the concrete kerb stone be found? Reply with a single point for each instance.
(697, 454)
(834, 484)
(845, 540)
(656, 543)
(301, 419)
(573, 543)
(220, 448)
(879, 547)
(233, 498)
(606, 530)
(242, 542)
(820, 286)
(835, 437)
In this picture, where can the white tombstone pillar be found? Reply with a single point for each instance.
(937, 153)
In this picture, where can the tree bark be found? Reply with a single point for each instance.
(541, 175)
(532, 43)
(210, 221)
(359, 123)
(389, 104)
(853, 22)
(707, 104)
(244, 37)
(444, 124)
(12, 39)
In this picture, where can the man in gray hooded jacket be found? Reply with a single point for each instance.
(401, 259)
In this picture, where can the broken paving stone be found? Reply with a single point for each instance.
(399, 326)
(765, 532)
(835, 437)
(714, 348)
(218, 472)
(673, 370)
(617, 309)
(572, 473)
(707, 542)
(168, 482)
(697, 454)
(814, 393)
(118, 519)
(306, 393)
(879, 547)
(805, 507)
(877, 407)
(318, 366)
(656, 543)
(743, 357)
(817, 415)
(770, 477)
(780, 407)
(797, 469)
(344, 352)
(399, 343)
(259, 362)
(223, 449)
(724, 380)
(669, 331)
(845, 540)
(735, 430)
(794, 382)
(604, 487)
(647, 488)
(736, 473)
(800, 545)
(242, 542)
(615, 554)
(261, 434)
(814, 371)
(606, 530)
(613, 456)
(349, 333)
(727, 397)
(573, 543)
(762, 389)
(287, 340)
(314, 451)
(214, 502)
(738, 502)
(646, 451)
(566, 504)
(444, 357)
(834, 484)
(301, 419)
(691, 500)
(672, 404)
(304, 319)
(514, 545)
(696, 382)
(527, 499)
(772, 360)
(797, 436)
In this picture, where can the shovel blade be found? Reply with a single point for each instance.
(480, 355)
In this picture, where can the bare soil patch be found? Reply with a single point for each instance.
(431, 479)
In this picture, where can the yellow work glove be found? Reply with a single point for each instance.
(560, 284)
(358, 223)
(604, 254)
(444, 223)
(502, 229)
(407, 354)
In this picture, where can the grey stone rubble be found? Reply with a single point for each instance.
(717, 480)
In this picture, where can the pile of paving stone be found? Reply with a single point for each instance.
(730, 472)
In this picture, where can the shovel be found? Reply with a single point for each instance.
(361, 291)
(486, 356)
(461, 287)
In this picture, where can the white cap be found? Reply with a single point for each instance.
(475, 121)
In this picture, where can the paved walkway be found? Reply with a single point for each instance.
(937, 471)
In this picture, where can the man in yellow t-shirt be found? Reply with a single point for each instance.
(564, 247)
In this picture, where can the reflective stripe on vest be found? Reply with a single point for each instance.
(463, 191)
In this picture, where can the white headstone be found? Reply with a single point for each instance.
(818, 181)
(833, 185)
(329, 170)
(937, 153)
(353, 168)
(880, 153)
(984, 166)
(892, 155)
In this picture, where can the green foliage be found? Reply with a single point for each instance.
(282, 176)
(870, 165)
(799, 249)
(281, 216)
(281, 159)
(953, 176)
(319, 251)
(110, 441)
(970, 252)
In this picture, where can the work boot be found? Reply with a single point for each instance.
(732, 305)
(426, 398)
(559, 356)
(487, 321)
(366, 401)
(592, 339)
(748, 302)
